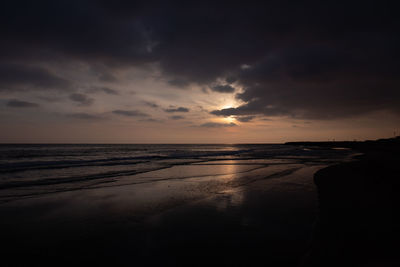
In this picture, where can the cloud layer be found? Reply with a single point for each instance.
(15, 103)
(130, 113)
(179, 109)
(319, 60)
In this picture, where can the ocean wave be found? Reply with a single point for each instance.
(52, 168)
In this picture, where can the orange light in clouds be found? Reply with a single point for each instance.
(229, 119)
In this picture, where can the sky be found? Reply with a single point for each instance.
(120, 71)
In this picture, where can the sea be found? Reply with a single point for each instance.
(32, 169)
(159, 205)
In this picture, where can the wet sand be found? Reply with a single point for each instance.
(229, 213)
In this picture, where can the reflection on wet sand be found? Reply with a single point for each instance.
(249, 211)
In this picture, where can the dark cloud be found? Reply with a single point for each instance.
(151, 104)
(23, 77)
(180, 83)
(223, 89)
(245, 118)
(103, 89)
(15, 103)
(314, 59)
(317, 83)
(217, 125)
(152, 120)
(176, 117)
(95, 32)
(253, 108)
(130, 113)
(85, 116)
(231, 79)
(81, 99)
(179, 109)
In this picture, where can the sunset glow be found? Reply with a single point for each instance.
(146, 80)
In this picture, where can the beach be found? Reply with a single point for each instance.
(239, 208)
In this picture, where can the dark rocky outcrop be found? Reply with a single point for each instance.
(357, 223)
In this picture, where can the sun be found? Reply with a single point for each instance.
(229, 119)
